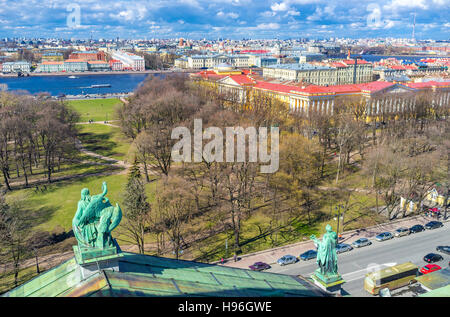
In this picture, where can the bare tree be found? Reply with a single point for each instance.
(175, 205)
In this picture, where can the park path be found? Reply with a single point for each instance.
(112, 161)
(359, 190)
(102, 122)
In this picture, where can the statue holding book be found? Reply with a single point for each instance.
(327, 273)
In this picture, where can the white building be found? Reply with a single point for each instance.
(209, 61)
(130, 60)
(15, 67)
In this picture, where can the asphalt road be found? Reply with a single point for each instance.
(353, 265)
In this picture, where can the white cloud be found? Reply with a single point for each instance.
(326, 12)
(409, 4)
(231, 15)
(268, 14)
(268, 26)
(293, 12)
(282, 6)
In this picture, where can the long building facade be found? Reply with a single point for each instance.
(335, 73)
(210, 61)
(381, 99)
(15, 67)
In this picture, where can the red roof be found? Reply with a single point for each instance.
(428, 84)
(242, 79)
(397, 67)
(254, 51)
(352, 61)
(96, 62)
(209, 74)
(52, 63)
(73, 60)
(338, 64)
(276, 87)
(375, 86)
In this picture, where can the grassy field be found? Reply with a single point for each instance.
(95, 109)
(56, 206)
(7, 279)
(104, 140)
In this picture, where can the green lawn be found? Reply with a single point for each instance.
(95, 109)
(55, 207)
(104, 140)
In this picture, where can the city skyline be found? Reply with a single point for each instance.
(232, 19)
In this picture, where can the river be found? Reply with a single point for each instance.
(57, 85)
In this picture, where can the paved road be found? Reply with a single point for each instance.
(353, 265)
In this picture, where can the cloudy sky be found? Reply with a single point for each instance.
(234, 19)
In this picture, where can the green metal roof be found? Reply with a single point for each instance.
(144, 275)
(438, 292)
(435, 280)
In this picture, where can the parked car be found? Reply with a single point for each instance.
(443, 249)
(416, 228)
(400, 232)
(432, 257)
(343, 247)
(429, 268)
(308, 255)
(361, 242)
(433, 225)
(287, 259)
(259, 266)
(384, 236)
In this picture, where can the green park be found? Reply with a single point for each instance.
(340, 186)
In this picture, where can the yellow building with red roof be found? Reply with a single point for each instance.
(382, 100)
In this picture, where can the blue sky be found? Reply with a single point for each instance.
(234, 19)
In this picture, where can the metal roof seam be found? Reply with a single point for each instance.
(176, 286)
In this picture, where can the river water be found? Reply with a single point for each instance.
(61, 84)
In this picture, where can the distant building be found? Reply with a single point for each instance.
(50, 67)
(115, 65)
(98, 66)
(382, 100)
(88, 55)
(323, 74)
(209, 61)
(75, 65)
(261, 60)
(15, 67)
(306, 57)
(181, 62)
(52, 57)
(129, 60)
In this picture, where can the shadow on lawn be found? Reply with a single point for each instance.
(99, 143)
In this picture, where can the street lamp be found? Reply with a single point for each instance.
(338, 217)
